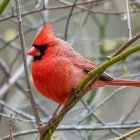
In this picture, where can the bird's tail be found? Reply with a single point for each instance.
(123, 82)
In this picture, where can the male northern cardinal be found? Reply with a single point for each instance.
(57, 69)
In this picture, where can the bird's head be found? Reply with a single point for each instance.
(44, 39)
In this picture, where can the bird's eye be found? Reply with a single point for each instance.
(41, 48)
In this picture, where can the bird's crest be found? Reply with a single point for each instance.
(45, 37)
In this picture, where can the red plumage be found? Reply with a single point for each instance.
(45, 37)
(57, 69)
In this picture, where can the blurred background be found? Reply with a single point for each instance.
(96, 29)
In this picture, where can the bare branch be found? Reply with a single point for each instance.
(78, 127)
(127, 135)
(128, 19)
(68, 20)
(13, 79)
(25, 132)
(127, 44)
(34, 107)
(37, 3)
(11, 128)
(68, 6)
(16, 110)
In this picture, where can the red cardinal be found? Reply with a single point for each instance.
(57, 69)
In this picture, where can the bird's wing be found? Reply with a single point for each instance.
(84, 64)
(88, 66)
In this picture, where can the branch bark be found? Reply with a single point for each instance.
(125, 136)
(22, 42)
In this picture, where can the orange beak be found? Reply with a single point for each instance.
(34, 52)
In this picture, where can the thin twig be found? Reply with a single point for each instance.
(29, 120)
(11, 128)
(98, 119)
(26, 115)
(127, 44)
(6, 70)
(68, 6)
(125, 136)
(29, 90)
(128, 19)
(12, 80)
(87, 15)
(13, 44)
(131, 111)
(21, 133)
(68, 20)
(111, 95)
(96, 127)
(37, 3)
(78, 128)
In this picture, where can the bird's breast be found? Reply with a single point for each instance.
(56, 79)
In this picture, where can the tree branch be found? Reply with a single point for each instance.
(128, 19)
(127, 44)
(125, 136)
(68, 19)
(29, 90)
(3, 5)
(11, 128)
